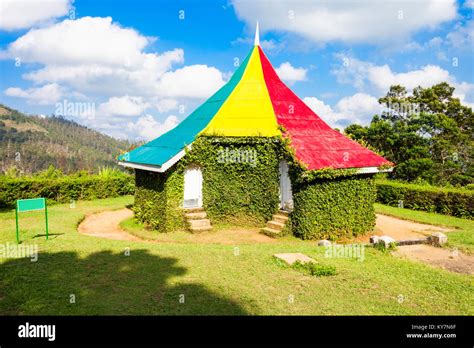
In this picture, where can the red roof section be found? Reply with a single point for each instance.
(316, 144)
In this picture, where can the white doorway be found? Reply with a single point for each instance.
(192, 187)
(286, 196)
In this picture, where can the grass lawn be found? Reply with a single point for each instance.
(197, 278)
(462, 237)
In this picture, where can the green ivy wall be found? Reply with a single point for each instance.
(245, 189)
(158, 199)
(333, 208)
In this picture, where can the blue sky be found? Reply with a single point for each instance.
(133, 69)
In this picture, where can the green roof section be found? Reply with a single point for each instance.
(162, 149)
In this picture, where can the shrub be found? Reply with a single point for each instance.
(448, 201)
(333, 208)
(314, 269)
(51, 173)
(158, 199)
(64, 188)
(386, 249)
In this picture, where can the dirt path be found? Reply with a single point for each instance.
(452, 260)
(106, 225)
(400, 229)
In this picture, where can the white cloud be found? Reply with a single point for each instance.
(354, 21)
(462, 37)
(96, 59)
(380, 77)
(459, 39)
(20, 14)
(147, 128)
(271, 45)
(290, 74)
(435, 42)
(351, 71)
(123, 106)
(165, 105)
(267, 45)
(195, 81)
(44, 95)
(93, 55)
(322, 109)
(383, 77)
(358, 108)
(92, 40)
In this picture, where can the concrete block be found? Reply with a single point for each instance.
(386, 241)
(438, 239)
(324, 242)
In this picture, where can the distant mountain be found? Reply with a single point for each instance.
(32, 143)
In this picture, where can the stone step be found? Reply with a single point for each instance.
(196, 216)
(280, 218)
(200, 229)
(270, 232)
(283, 212)
(193, 210)
(199, 223)
(275, 225)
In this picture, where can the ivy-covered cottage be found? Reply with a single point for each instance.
(255, 153)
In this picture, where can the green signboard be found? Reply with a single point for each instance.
(23, 205)
(31, 204)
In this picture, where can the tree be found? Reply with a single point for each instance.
(428, 134)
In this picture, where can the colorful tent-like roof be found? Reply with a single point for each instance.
(255, 102)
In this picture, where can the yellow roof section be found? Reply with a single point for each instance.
(248, 110)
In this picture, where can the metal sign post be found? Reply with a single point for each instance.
(23, 205)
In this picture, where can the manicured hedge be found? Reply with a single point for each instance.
(64, 189)
(333, 208)
(449, 201)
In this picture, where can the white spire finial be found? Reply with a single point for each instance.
(257, 37)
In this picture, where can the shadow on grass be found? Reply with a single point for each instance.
(54, 235)
(105, 283)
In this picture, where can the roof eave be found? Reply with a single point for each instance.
(155, 168)
(373, 170)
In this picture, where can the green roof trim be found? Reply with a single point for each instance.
(162, 149)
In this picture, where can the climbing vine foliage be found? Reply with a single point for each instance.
(241, 185)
